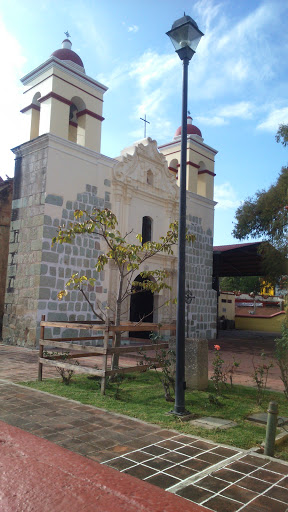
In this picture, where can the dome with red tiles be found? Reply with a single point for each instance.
(191, 129)
(66, 54)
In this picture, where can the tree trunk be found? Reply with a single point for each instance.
(117, 342)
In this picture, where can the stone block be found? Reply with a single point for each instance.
(49, 232)
(44, 293)
(55, 200)
(52, 306)
(196, 362)
(48, 281)
(50, 257)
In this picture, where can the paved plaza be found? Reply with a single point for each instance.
(217, 477)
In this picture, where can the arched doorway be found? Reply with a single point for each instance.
(141, 307)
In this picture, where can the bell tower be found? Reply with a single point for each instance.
(60, 99)
(200, 160)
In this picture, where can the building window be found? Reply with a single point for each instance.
(149, 177)
(146, 230)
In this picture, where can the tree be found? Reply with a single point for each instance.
(265, 215)
(128, 257)
(246, 284)
(282, 134)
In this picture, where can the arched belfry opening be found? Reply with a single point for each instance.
(77, 125)
(146, 229)
(141, 307)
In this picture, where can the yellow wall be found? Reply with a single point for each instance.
(254, 323)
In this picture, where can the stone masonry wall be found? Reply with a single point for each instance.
(25, 247)
(61, 261)
(6, 189)
(199, 267)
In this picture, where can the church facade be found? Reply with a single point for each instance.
(60, 168)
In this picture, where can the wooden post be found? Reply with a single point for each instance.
(40, 366)
(104, 365)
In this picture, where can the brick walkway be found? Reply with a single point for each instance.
(220, 478)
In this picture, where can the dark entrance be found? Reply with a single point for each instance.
(141, 308)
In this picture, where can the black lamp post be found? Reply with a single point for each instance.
(185, 36)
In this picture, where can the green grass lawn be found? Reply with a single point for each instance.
(142, 397)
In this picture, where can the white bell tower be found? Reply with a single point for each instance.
(60, 99)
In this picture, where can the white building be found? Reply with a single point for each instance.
(60, 168)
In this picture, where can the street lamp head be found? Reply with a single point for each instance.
(185, 36)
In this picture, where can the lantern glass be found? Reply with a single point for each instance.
(185, 32)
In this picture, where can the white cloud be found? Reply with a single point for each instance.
(151, 67)
(133, 28)
(274, 118)
(242, 109)
(211, 120)
(226, 196)
(12, 131)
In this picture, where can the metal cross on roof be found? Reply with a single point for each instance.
(145, 123)
(67, 34)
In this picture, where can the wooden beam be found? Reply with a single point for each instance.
(72, 346)
(74, 325)
(138, 368)
(135, 348)
(75, 368)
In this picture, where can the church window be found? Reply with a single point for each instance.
(146, 230)
(150, 177)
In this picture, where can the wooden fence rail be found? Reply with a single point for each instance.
(82, 350)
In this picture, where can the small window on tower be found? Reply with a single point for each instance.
(150, 177)
(146, 230)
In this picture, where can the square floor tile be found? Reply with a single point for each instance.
(277, 467)
(265, 504)
(162, 480)
(212, 484)
(203, 445)
(253, 484)
(239, 493)
(278, 493)
(120, 463)
(196, 464)
(284, 483)
(185, 439)
(189, 450)
(225, 452)
(158, 463)
(155, 450)
(253, 460)
(268, 476)
(171, 445)
(228, 475)
(180, 472)
(221, 504)
(242, 467)
(139, 456)
(140, 471)
(193, 493)
(213, 458)
(175, 457)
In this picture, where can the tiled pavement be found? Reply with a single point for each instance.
(221, 478)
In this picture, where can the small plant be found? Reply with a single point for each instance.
(230, 370)
(66, 375)
(218, 375)
(214, 400)
(162, 363)
(282, 357)
(260, 377)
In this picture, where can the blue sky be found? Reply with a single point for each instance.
(237, 79)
